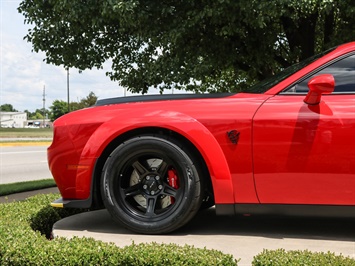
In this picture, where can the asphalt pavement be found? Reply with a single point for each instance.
(23, 162)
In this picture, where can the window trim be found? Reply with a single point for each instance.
(284, 91)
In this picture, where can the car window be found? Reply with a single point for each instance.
(268, 83)
(343, 72)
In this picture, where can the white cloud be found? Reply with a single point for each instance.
(23, 74)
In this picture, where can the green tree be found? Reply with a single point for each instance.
(88, 101)
(7, 108)
(200, 45)
(38, 114)
(58, 108)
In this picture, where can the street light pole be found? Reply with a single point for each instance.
(68, 88)
(44, 104)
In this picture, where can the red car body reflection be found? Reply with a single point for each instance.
(274, 149)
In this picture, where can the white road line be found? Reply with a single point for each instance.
(19, 152)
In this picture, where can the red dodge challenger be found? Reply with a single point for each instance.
(287, 146)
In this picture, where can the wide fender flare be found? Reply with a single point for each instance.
(180, 123)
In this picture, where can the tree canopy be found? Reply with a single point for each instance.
(38, 114)
(6, 107)
(197, 45)
(60, 107)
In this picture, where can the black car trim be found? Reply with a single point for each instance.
(160, 97)
(77, 204)
(313, 210)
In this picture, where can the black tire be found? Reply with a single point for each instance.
(136, 189)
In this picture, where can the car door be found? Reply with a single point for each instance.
(305, 154)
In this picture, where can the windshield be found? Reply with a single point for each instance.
(268, 83)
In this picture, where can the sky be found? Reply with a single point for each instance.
(24, 75)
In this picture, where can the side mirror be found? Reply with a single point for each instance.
(322, 84)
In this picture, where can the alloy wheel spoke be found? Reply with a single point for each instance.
(163, 169)
(141, 170)
(151, 202)
(169, 191)
(132, 190)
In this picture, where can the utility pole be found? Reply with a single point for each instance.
(68, 88)
(44, 105)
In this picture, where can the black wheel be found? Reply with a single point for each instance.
(151, 185)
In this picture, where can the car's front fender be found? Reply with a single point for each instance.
(178, 122)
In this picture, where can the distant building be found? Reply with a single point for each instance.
(13, 119)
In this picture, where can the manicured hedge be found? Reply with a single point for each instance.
(25, 227)
(280, 257)
(21, 245)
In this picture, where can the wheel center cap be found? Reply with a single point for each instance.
(152, 185)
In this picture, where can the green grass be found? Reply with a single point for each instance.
(26, 132)
(7, 189)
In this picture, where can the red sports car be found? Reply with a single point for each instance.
(287, 146)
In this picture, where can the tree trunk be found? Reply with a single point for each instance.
(301, 36)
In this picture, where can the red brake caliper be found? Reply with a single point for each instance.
(173, 181)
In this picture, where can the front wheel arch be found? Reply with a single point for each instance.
(158, 132)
